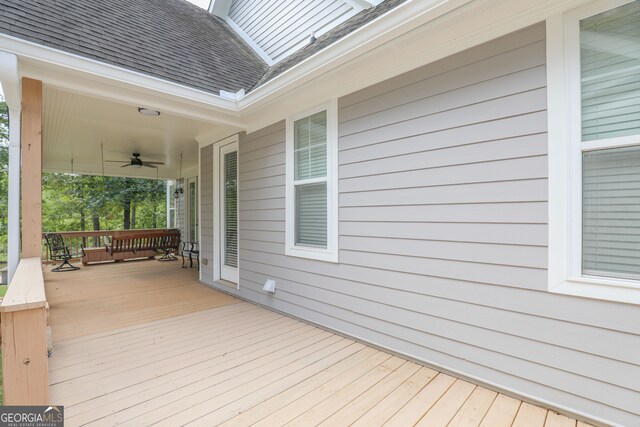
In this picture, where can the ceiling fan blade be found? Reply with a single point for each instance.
(146, 165)
(154, 163)
(114, 161)
(126, 166)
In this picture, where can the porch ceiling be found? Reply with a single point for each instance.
(75, 125)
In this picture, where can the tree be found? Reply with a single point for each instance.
(69, 201)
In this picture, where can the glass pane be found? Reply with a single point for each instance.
(193, 212)
(172, 199)
(311, 215)
(231, 209)
(310, 146)
(610, 73)
(611, 213)
(171, 221)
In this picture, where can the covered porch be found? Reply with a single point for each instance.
(141, 343)
(61, 122)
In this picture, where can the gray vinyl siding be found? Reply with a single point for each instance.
(265, 20)
(443, 235)
(206, 214)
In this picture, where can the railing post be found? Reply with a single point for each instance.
(25, 364)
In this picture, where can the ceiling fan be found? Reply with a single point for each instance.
(137, 162)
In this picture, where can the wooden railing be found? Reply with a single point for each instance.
(87, 239)
(23, 312)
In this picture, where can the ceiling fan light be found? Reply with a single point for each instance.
(148, 112)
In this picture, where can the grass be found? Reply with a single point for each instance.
(3, 291)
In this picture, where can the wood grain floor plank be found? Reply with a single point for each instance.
(502, 412)
(448, 405)
(391, 404)
(474, 409)
(138, 343)
(530, 416)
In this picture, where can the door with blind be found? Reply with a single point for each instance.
(228, 211)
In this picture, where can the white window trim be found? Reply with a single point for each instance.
(565, 162)
(171, 198)
(329, 254)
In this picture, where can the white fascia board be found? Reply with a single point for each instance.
(382, 29)
(104, 88)
(42, 62)
(415, 33)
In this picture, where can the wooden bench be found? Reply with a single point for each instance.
(134, 245)
(141, 243)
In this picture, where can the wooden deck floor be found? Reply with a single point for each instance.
(200, 357)
(101, 297)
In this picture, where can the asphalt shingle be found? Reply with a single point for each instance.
(170, 39)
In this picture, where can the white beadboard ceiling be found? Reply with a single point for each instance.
(74, 126)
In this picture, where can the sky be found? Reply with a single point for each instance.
(202, 3)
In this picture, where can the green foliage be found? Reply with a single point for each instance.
(78, 202)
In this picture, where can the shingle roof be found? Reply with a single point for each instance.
(170, 39)
(329, 38)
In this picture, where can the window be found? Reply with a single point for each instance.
(594, 151)
(312, 202)
(171, 204)
(192, 204)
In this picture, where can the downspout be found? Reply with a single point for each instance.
(11, 88)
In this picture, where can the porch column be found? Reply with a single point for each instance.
(12, 95)
(31, 168)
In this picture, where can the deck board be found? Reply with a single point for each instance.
(138, 343)
(102, 297)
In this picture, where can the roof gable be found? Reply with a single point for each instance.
(327, 39)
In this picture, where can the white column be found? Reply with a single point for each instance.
(11, 87)
(13, 237)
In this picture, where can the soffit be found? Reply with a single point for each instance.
(75, 125)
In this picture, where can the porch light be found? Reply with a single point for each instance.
(148, 112)
(178, 192)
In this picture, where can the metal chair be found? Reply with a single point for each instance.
(58, 251)
(193, 249)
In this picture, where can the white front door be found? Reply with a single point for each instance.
(227, 206)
